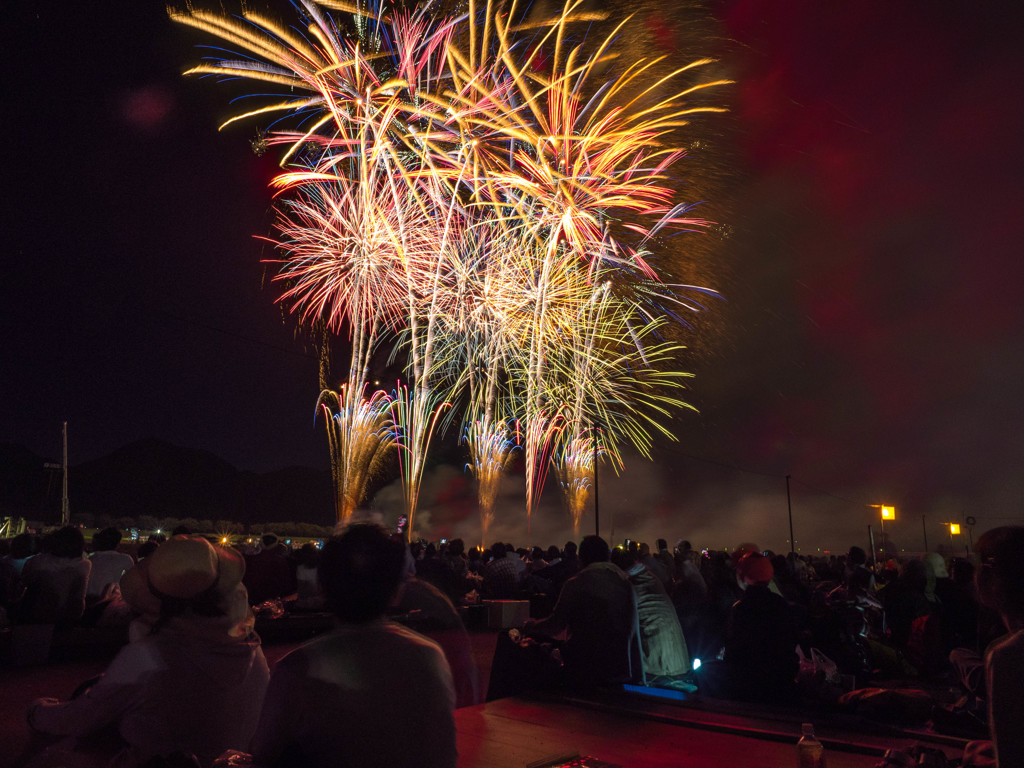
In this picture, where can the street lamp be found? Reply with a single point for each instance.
(888, 513)
(954, 530)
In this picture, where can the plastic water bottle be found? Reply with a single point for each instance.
(810, 752)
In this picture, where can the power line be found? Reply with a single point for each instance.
(772, 475)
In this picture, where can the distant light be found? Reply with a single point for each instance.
(224, 540)
(888, 513)
(696, 664)
(954, 528)
(158, 530)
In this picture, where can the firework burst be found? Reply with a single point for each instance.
(360, 438)
(481, 195)
(491, 449)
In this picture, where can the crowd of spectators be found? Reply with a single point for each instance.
(744, 624)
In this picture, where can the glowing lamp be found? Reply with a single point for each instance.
(888, 513)
(954, 529)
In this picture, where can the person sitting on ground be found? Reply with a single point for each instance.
(904, 601)
(570, 556)
(664, 652)
(503, 574)
(306, 562)
(657, 566)
(960, 605)
(268, 576)
(856, 563)
(596, 613)
(556, 572)
(667, 559)
(194, 686)
(431, 613)
(10, 584)
(475, 561)
(690, 599)
(456, 582)
(760, 661)
(23, 547)
(371, 692)
(55, 580)
(145, 549)
(108, 565)
(1000, 582)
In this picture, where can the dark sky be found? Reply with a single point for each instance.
(871, 345)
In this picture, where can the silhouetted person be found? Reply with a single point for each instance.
(503, 574)
(370, 693)
(596, 613)
(194, 685)
(108, 565)
(760, 661)
(55, 580)
(268, 575)
(904, 600)
(664, 652)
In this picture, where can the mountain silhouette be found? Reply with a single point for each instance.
(156, 478)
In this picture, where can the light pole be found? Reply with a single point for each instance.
(888, 513)
(954, 530)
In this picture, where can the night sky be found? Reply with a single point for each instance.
(871, 343)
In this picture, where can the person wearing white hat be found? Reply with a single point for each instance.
(194, 686)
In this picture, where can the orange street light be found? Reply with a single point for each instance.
(954, 529)
(888, 513)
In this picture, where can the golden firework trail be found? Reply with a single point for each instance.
(482, 195)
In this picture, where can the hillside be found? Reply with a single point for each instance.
(152, 477)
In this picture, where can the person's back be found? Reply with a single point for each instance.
(177, 692)
(268, 574)
(904, 600)
(502, 575)
(108, 565)
(193, 686)
(55, 580)
(664, 647)
(658, 567)
(761, 637)
(760, 661)
(371, 693)
(437, 619)
(597, 610)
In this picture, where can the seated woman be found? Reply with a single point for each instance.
(193, 686)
